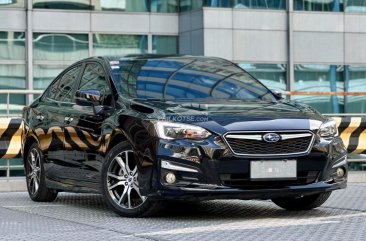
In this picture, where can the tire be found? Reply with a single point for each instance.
(35, 176)
(120, 184)
(302, 203)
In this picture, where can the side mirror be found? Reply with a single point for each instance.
(90, 97)
(278, 93)
(102, 110)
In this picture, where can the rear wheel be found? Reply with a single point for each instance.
(36, 183)
(121, 185)
(302, 203)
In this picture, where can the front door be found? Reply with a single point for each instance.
(51, 117)
(84, 129)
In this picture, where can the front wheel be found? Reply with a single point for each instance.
(120, 184)
(35, 176)
(302, 203)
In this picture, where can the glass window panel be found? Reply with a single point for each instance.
(16, 172)
(320, 78)
(16, 104)
(164, 6)
(44, 74)
(12, 3)
(274, 76)
(12, 45)
(121, 5)
(322, 103)
(165, 44)
(52, 90)
(184, 5)
(60, 46)
(12, 76)
(355, 82)
(114, 44)
(94, 78)
(16, 162)
(66, 85)
(319, 5)
(260, 4)
(357, 165)
(189, 5)
(217, 3)
(355, 6)
(69, 4)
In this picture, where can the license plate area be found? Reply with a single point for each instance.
(273, 170)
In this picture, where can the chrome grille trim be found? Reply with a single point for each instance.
(246, 137)
(259, 137)
(285, 135)
(294, 136)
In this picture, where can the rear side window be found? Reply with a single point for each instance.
(94, 78)
(62, 89)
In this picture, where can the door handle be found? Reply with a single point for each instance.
(68, 119)
(40, 117)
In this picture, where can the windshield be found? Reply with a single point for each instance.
(186, 78)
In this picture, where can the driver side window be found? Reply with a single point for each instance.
(94, 78)
(62, 88)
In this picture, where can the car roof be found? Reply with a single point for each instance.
(110, 59)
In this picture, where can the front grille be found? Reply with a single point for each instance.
(252, 144)
(243, 181)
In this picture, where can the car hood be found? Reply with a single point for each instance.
(223, 116)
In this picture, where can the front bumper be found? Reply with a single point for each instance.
(219, 192)
(209, 170)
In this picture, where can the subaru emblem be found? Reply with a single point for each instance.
(271, 137)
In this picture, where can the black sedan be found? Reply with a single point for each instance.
(146, 129)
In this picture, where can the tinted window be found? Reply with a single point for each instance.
(62, 89)
(94, 78)
(184, 78)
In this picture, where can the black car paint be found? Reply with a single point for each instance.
(75, 157)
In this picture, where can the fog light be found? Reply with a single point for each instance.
(340, 172)
(170, 178)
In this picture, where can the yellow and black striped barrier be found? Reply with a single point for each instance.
(353, 133)
(10, 137)
(352, 130)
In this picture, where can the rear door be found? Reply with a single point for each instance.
(83, 128)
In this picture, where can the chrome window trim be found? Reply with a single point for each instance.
(302, 133)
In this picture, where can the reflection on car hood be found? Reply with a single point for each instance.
(233, 115)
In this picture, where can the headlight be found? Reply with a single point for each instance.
(328, 129)
(170, 130)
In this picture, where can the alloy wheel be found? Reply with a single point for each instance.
(34, 171)
(122, 181)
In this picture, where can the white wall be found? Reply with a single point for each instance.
(238, 35)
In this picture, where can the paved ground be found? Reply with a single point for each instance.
(86, 217)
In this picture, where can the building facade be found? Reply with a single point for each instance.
(312, 46)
